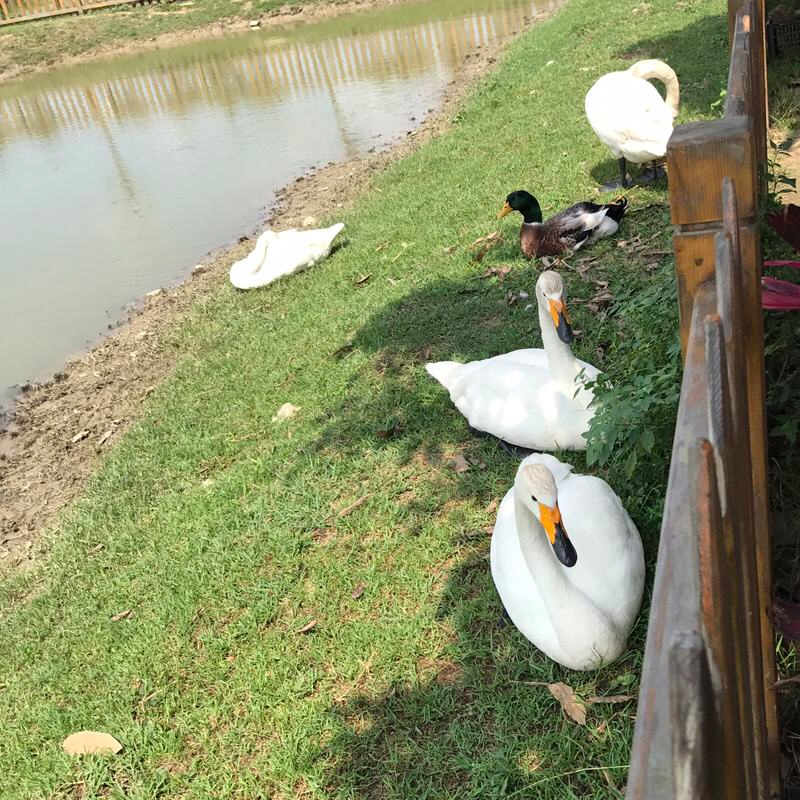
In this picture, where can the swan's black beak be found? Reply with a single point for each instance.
(563, 548)
(554, 528)
(558, 311)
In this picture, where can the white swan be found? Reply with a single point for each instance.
(629, 115)
(529, 398)
(279, 254)
(568, 564)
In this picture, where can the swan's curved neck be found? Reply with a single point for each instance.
(538, 554)
(651, 69)
(563, 366)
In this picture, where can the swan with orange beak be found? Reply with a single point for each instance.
(535, 399)
(568, 564)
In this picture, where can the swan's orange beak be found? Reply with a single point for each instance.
(554, 528)
(506, 209)
(560, 316)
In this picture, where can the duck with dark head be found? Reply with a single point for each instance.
(567, 231)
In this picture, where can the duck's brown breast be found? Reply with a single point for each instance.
(529, 239)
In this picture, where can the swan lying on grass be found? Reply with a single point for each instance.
(568, 564)
(278, 254)
(532, 398)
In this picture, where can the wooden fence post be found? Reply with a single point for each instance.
(718, 150)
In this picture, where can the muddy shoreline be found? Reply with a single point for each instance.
(286, 15)
(59, 430)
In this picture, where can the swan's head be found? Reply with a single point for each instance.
(552, 298)
(538, 482)
(525, 203)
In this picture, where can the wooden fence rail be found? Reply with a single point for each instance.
(14, 11)
(706, 726)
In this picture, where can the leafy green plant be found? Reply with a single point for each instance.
(637, 395)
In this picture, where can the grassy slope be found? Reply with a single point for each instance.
(33, 45)
(219, 527)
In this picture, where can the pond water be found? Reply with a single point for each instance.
(117, 176)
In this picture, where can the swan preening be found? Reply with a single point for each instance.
(568, 564)
(629, 115)
(530, 398)
(278, 254)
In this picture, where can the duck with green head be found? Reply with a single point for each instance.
(567, 231)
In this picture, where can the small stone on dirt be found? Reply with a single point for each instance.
(78, 437)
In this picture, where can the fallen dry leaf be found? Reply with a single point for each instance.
(786, 618)
(345, 512)
(343, 350)
(322, 535)
(381, 247)
(358, 591)
(149, 390)
(572, 707)
(122, 615)
(286, 411)
(309, 626)
(90, 742)
(491, 238)
(451, 249)
(459, 463)
(390, 433)
(484, 244)
(362, 280)
(106, 436)
(404, 246)
(610, 698)
(79, 437)
(96, 549)
(492, 507)
(497, 272)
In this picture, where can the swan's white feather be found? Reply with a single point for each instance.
(276, 255)
(630, 117)
(609, 572)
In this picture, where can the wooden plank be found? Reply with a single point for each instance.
(691, 717)
(720, 497)
(675, 604)
(4, 9)
(743, 562)
(747, 338)
(699, 156)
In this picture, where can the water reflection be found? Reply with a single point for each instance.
(116, 177)
(264, 68)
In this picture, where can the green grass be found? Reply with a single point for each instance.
(33, 45)
(220, 530)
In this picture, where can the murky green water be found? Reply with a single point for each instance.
(118, 176)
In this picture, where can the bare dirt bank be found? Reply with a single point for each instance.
(60, 429)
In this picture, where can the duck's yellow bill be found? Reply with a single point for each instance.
(506, 209)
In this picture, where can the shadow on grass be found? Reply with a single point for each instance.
(471, 725)
(699, 55)
(394, 402)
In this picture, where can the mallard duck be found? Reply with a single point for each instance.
(568, 564)
(569, 230)
(278, 254)
(532, 398)
(631, 118)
